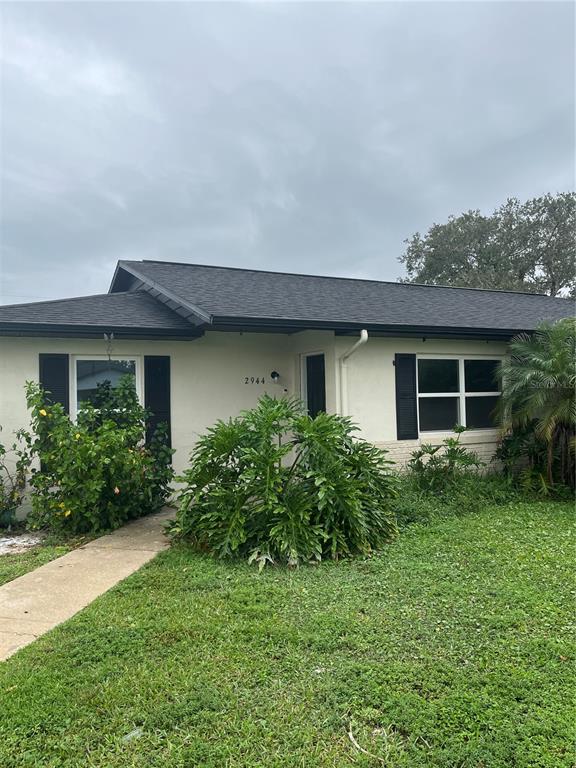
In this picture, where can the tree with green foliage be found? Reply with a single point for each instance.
(538, 393)
(528, 246)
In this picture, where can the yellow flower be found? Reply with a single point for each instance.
(67, 513)
(61, 505)
(42, 412)
(77, 435)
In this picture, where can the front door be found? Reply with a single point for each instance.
(315, 384)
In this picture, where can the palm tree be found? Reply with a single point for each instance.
(538, 388)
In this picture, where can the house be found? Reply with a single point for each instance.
(406, 362)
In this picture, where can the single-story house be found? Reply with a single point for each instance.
(406, 362)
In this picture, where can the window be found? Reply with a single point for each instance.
(438, 376)
(457, 391)
(88, 373)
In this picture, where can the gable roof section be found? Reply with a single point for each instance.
(229, 297)
(135, 314)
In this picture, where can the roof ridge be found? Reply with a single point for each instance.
(340, 277)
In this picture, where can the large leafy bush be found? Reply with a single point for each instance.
(275, 485)
(97, 473)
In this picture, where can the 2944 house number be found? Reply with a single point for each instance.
(254, 380)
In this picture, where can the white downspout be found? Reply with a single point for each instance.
(343, 377)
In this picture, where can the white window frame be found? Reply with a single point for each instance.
(461, 395)
(139, 366)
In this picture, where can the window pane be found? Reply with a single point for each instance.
(438, 413)
(90, 373)
(437, 375)
(480, 412)
(481, 375)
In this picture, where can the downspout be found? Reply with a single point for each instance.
(343, 377)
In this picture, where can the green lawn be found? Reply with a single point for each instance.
(12, 566)
(452, 648)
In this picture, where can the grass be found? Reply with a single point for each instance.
(451, 648)
(14, 565)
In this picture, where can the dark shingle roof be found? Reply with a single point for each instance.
(222, 292)
(177, 300)
(107, 311)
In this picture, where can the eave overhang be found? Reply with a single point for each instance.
(257, 325)
(276, 325)
(48, 330)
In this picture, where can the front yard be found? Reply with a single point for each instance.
(451, 648)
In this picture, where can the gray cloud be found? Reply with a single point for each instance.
(304, 137)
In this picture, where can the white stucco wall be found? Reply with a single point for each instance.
(208, 379)
(207, 376)
(371, 390)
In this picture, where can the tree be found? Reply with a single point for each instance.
(527, 246)
(538, 391)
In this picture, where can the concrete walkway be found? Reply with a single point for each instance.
(40, 600)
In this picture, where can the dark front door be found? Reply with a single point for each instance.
(315, 384)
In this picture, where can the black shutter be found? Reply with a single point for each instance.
(157, 393)
(406, 405)
(54, 378)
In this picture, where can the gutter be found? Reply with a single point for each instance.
(61, 331)
(281, 325)
(343, 370)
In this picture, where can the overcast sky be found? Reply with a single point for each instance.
(298, 137)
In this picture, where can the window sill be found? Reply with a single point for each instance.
(486, 434)
(480, 431)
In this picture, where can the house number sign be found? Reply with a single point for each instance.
(254, 380)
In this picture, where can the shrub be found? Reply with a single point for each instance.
(539, 399)
(472, 493)
(444, 480)
(278, 486)
(97, 473)
(524, 456)
(14, 463)
(439, 468)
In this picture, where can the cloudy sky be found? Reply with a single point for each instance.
(296, 136)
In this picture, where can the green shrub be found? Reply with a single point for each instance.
(97, 473)
(439, 468)
(472, 493)
(444, 480)
(14, 464)
(278, 486)
(525, 458)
